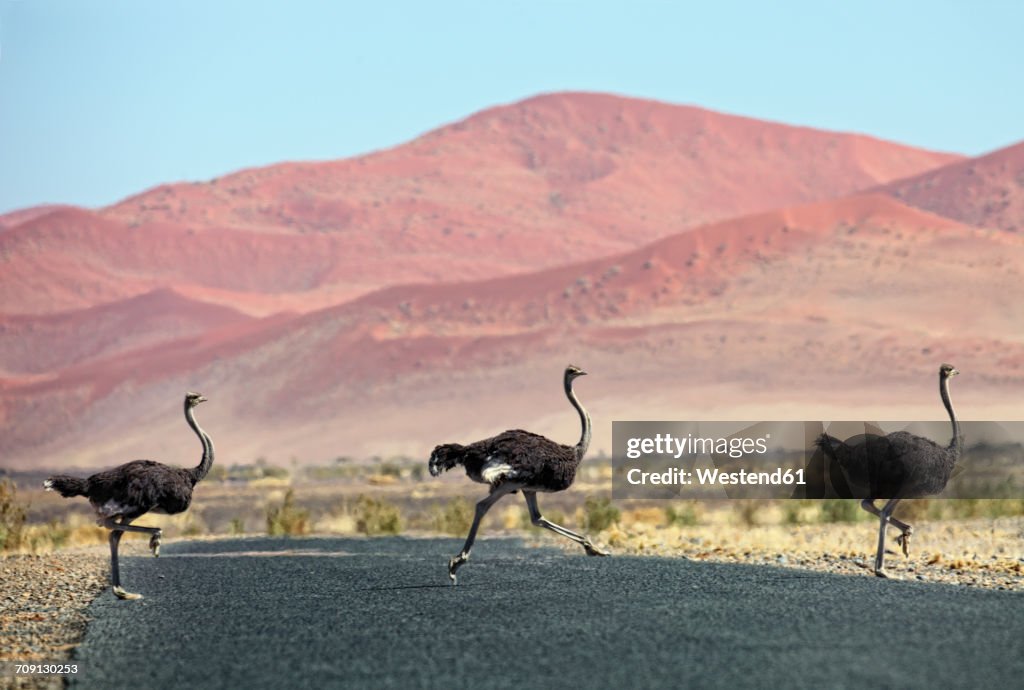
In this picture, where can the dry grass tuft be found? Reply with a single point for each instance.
(12, 517)
(377, 516)
(287, 519)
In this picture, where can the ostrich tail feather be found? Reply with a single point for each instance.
(67, 486)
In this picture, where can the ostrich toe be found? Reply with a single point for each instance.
(154, 544)
(453, 565)
(904, 541)
(120, 593)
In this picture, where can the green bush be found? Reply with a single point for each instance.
(455, 517)
(599, 513)
(377, 516)
(12, 517)
(287, 519)
(682, 516)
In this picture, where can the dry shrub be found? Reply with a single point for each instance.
(599, 513)
(747, 510)
(12, 517)
(841, 510)
(340, 520)
(377, 516)
(287, 519)
(454, 517)
(682, 515)
(512, 517)
(236, 526)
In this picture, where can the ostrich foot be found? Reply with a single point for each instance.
(904, 541)
(453, 565)
(593, 550)
(121, 594)
(882, 572)
(154, 543)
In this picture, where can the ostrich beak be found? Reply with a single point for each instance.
(201, 399)
(955, 372)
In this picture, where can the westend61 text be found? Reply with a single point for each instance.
(713, 477)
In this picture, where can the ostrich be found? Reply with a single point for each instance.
(519, 460)
(897, 466)
(125, 493)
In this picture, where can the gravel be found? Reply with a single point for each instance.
(980, 553)
(43, 601)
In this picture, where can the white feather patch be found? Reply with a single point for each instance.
(112, 508)
(494, 471)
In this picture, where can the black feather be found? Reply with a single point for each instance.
(898, 465)
(534, 461)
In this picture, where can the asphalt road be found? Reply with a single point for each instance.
(375, 613)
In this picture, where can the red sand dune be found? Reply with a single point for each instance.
(698, 264)
(815, 307)
(654, 168)
(49, 343)
(23, 215)
(986, 192)
(548, 181)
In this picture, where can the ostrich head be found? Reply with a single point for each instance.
(572, 371)
(947, 371)
(193, 399)
(444, 458)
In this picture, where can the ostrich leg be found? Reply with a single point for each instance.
(115, 574)
(905, 530)
(883, 521)
(539, 520)
(481, 509)
(155, 532)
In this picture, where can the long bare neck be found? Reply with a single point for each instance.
(957, 443)
(206, 462)
(581, 447)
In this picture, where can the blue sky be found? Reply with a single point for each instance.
(99, 100)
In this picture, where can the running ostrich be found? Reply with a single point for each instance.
(125, 493)
(519, 460)
(897, 466)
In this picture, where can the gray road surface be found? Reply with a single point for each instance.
(378, 613)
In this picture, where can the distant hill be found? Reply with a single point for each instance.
(551, 180)
(986, 192)
(697, 264)
(816, 311)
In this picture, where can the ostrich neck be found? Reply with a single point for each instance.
(206, 462)
(581, 447)
(957, 443)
